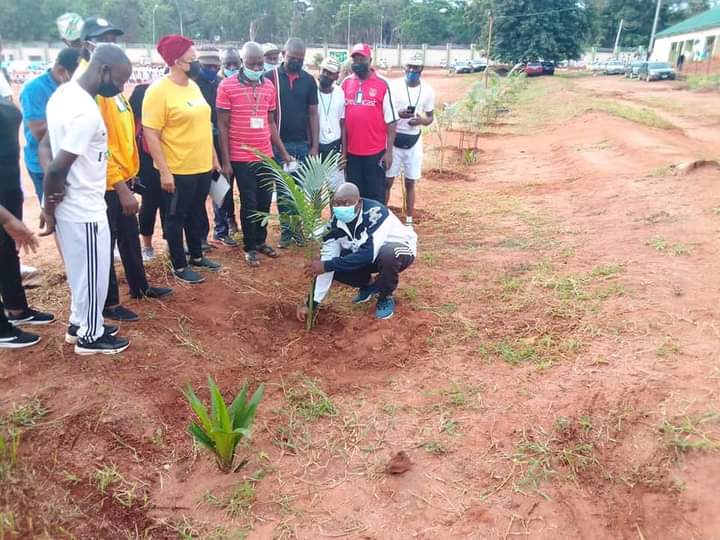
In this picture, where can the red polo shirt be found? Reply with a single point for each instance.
(368, 110)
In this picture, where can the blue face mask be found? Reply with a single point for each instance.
(253, 75)
(230, 72)
(412, 76)
(209, 74)
(344, 213)
(269, 67)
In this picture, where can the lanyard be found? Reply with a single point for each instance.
(255, 94)
(407, 89)
(326, 110)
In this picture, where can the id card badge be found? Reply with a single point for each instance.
(328, 131)
(257, 122)
(358, 97)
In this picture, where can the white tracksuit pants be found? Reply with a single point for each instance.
(86, 253)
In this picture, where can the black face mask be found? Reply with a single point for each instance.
(325, 82)
(108, 89)
(360, 69)
(293, 66)
(194, 70)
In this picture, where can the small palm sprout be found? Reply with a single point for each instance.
(306, 193)
(222, 429)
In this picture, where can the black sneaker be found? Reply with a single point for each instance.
(71, 335)
(17, 339)
(204, 262)
(153, 292)
(120, 313)
(31, 317)
(188, 275)
(226, 240)
(105, 345)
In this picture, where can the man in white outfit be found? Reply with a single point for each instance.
(331, 111)
(414, 101)
(74, 195)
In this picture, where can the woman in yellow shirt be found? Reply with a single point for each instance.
(178, 130)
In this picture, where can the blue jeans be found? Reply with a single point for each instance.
(37, 180)
(300, 151)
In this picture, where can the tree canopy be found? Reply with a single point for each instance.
(522, 28)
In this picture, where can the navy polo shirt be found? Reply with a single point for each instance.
(295, 96)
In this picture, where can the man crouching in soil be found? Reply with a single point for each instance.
(364, 238)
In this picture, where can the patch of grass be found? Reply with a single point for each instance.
(9, 444)
(429, 258)
(638, 115)
(105, 477)
(409, 293)
(669, 347)
(26, 415)
(703, 83)
(689, 432)
(663, 246)
(308, 401)
(607, 270)
(434, 447)
(240, 500)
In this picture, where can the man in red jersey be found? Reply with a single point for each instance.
(370, 119)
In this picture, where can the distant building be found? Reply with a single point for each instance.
(697, 38)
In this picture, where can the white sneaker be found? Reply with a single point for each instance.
(148, 254)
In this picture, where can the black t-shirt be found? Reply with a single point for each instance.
(10, 120)
(294, 101)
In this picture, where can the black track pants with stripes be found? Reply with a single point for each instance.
(86, 253)
(392, 259)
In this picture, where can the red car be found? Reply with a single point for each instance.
(534, 69)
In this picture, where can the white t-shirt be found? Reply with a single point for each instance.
(74, 124)
(331, 109)
(422, 97)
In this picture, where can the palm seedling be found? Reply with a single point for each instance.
(223, 428)
(306, 194)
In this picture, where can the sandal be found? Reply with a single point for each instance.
(265, 249)
(252, 259)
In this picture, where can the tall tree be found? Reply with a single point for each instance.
(530, 29)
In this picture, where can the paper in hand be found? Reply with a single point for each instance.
(218, 189)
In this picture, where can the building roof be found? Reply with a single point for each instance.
(702, 21)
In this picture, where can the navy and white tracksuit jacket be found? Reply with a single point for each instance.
(345, 250)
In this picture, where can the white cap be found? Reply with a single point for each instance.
(269, 48)
(70, 26)
(330, 64)
(415, 60)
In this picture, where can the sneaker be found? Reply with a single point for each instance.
(385, 308)
(17, 339)
(152, 292)
(252, 259)
(204, 262)
(31, 317)
(120, 313)
(105, 345)
(188, 275)
(71, 336)
(226, 240)
(148, 254)
(365, 294)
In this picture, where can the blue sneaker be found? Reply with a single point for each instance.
(385, 308)
(365, 294)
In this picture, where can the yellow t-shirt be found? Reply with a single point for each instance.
(123, 158)
(182, 116)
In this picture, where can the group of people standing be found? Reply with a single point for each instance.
(211, 118)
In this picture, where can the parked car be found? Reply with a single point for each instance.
(548, 68)
(614, 67)
(656, 71)
(597, 66)
(461, 66)
(632, 69)
(478, 65)
(534, 69)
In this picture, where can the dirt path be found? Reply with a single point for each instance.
(552, 370)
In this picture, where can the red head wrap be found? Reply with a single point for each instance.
(173, 47)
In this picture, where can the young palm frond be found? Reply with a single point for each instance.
(222, 429)
(306, 193)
